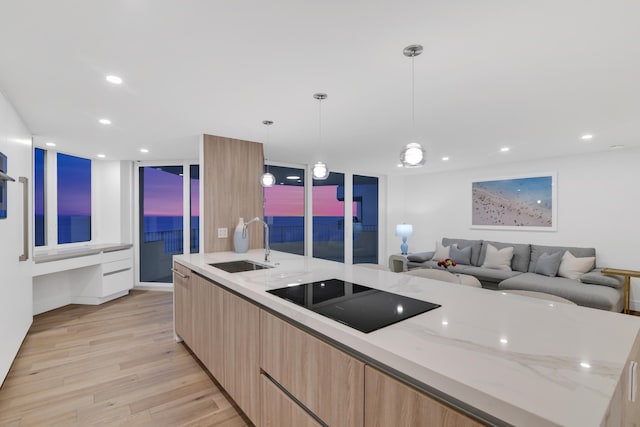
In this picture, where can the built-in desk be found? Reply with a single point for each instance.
(91, 274)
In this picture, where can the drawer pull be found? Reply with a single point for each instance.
(116, 271)
(184, 276)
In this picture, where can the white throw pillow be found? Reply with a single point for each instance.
(498, 259)
(573, 267)
(442, 252)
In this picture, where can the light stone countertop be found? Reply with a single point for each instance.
(525, 361)
(48, 255)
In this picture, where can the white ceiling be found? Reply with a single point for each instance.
(531, 75)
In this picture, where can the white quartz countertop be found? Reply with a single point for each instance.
(525, 361)
(48, 255)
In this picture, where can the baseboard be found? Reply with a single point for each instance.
(98, 300)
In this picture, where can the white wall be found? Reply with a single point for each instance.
(15, 277)
(598, 206)
(112, 201)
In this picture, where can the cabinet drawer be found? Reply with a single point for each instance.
(117, 282)
(117, 255)
(327, 381)
(279, 410)
(392, 403)
(114, 266)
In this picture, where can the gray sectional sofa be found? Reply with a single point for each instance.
(592, 289)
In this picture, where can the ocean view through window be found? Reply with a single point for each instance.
(284, 210)
(161, 221)
(328, 217)
(39, 229)
(365, 222)
(74, 199)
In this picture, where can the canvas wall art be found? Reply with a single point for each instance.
(515, 203)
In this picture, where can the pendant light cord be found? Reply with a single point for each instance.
(320, 122)
(413, 96)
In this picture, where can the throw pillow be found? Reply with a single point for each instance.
(548, 263)
(442, 252)
(460, 256)
(498, 259)
(573, 267)
(420, 257)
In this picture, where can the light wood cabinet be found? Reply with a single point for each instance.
(279, 410)
(182, 303)
(390, 403)
(242, 354)
(327, 381)
(207, 324)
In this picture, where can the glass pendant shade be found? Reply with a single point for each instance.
(267, 180)
(413, 155)
(320, 171)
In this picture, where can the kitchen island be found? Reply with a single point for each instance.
(483, 357)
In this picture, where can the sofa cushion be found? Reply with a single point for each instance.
(489, 274)
(594, 277)
(602, 297)
(548, 264)
(420, 256)
(499, 259)
(573, 267)
(442, 252)
(475, 245)
(460, 256)
(521, 253)
(537, 250)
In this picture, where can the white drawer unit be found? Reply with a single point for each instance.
(92, 276)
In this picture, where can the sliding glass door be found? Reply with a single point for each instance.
(161, 222)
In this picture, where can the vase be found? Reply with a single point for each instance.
(240, 243)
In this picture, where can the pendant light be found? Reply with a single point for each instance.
(413, 155)
(267, 179)
(320, 170)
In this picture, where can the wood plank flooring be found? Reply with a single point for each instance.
(114, 364)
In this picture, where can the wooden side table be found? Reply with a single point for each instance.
(627, 274)
(398, 263)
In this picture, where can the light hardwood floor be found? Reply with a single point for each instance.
(113, 364)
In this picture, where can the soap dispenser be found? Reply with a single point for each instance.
(240, 243)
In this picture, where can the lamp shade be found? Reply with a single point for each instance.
(320, 171)
(404, 230)
(267, 180)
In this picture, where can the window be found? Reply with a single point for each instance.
(194, 185)
(39, 220)
(284, 210)
(328, 217)
(74, 199)
(161, 221)
(365, 219)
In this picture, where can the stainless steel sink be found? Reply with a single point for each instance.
(239, 266)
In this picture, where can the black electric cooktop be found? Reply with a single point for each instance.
(360, 307)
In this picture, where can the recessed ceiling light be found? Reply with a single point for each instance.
(105, 121)
(586, 137)
(144, 150)
(102, 156)
(293, 177)
(114, 79)
(50, 144)
(445, 158)
(616, 147)
(505, 149)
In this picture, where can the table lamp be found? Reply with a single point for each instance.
(404, 230)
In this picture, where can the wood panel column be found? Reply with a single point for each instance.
(231, 171)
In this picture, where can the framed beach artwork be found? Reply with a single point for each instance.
(527, 203)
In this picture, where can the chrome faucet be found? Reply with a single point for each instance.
(267, 250)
